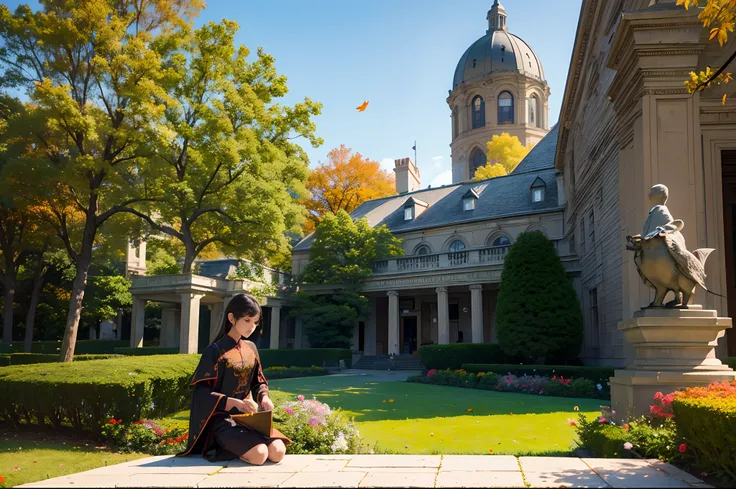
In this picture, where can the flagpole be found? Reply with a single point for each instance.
(415, 152)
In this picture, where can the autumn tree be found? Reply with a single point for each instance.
(343, 183)
(226, 170)
(504, 154)
(719, 17)
(93, 76)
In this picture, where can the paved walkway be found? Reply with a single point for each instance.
(384, 471)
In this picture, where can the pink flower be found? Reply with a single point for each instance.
(289, 410)
(602, 420)
(667, 400)
(683, 448)
(300, 397)
(658, 396)
(313, 421)
(654, 409)
(431, 372)
(628, 446)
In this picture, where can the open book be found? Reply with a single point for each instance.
(260, 422)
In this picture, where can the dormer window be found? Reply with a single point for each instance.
(413, 208)
(538, 188)
(469, 200)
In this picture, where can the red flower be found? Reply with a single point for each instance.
(658, 396)
(568, 381)
(112, 421)
(120, 421)
(162, 442)
(667, 400)
(2, 479)
(138, 422)
(654, 409)
(171, 441)
(683, 448)
(431, 372)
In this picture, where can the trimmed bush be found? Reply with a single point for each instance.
(453, 356)
(596, 374)
(273, 373)
(731, 362)
(85, 395)
(31, 358)
(706, 418)
(146, 350)
(82, 347)
(305, 357)
(603, 439)
(538, 314)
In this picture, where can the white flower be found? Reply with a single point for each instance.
(628, 446)
(340, 444)
(153, 405)
(600, 387)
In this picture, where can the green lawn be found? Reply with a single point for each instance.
(435, 419)
(23, 461)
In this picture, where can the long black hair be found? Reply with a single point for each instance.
(241, 305)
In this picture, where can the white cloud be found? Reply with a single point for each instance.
(387, 164)
(444, 178)
(437, 158)
(437, 161)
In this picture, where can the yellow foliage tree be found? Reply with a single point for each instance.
(720, 17)
(347, 180)
(504, 153)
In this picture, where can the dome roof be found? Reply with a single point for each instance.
(497, 52)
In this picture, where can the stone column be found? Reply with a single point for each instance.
(189, 332)
(369, 347)
(167, 339)
(443, 317)
(216, 318)
(476, 313)
(298, 333)
(137, 322)
(393, 322)
(275, 327)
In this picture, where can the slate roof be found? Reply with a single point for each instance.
(542, 156)
(498, 197)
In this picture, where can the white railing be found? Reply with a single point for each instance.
(436, 261)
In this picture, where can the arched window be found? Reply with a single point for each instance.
(534, 112)
(477, 159)
(501, 241)
(479, 112)
(505, 108)
(422, 250)
(455, 123)
(456, 246)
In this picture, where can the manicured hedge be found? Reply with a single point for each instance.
(706, 418)
(273, 373)
(84, 395)
(82, 347)
(596, 374)
(305, 357)
(146, 350)
(31, 358)
(731, 362)
(441, 357)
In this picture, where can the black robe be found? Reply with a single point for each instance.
(226, 369)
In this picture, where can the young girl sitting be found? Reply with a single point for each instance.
(229, 376)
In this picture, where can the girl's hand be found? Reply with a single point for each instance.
(267, 403)
(247, 406)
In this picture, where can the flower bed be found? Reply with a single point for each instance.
(694, 427)
(145, 436)
(526, 384)
(315, 428)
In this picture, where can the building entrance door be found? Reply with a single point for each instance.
(728, 168)
(409, 335)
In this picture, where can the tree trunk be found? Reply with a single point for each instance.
(35, 297)
(9, 293)
(75, 306)
(190, 253)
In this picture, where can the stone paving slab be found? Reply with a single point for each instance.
(384, 471)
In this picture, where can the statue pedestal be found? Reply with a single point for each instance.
(675, 348)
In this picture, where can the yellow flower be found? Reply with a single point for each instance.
(470, 410)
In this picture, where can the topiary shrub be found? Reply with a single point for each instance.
(538, 314)
(453, 356)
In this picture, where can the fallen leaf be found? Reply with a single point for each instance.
(511, 414)
(490, 451)
(362, 106)
(390, 400)
(723, 100)
(470, 410)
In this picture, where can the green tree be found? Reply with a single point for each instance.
(106, 296)
(342, 253)
(94, 78)
(226, 171)
(538, 314)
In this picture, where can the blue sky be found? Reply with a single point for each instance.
(400, 55)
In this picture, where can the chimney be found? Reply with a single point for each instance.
(407, 175)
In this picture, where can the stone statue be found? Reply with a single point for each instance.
(661, 257)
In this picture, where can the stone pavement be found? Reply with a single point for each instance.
(384, 471)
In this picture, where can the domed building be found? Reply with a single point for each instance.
(498, 86)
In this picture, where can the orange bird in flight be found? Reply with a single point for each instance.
(362, 106)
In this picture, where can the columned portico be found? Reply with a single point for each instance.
(189, 332)
(476, 313)
(275, 327)
(393, 322)
(168, 337)
(216, 319)
(443, 317)
(138, 322)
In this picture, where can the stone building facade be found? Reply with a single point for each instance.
(627, 123)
